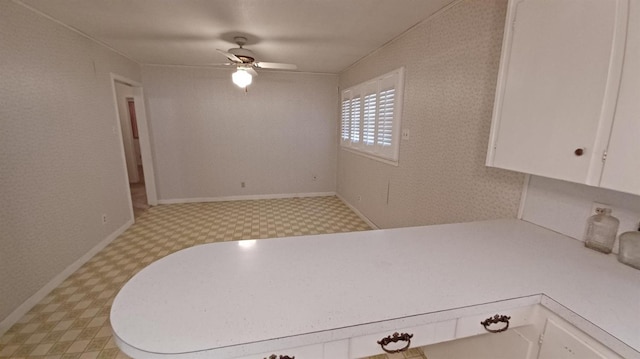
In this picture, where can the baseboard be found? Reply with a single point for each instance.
(245, 198)
(356, 211)
(26, 306)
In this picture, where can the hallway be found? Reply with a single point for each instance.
(139, 195)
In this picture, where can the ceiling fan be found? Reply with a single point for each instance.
(245, 62)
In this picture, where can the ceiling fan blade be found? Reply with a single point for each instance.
(274, 65)
(230, 56)
(221, 64)
(251, 71)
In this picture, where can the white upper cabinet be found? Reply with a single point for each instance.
(557, 88)
(622, 167)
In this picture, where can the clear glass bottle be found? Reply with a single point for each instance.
(629, 252)
(602, 229)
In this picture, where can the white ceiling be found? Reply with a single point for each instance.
(317, 35)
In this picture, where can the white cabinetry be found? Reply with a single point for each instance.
(560, 73)
(622, 168)
(509, 345)
(367, 345)
(546, 336)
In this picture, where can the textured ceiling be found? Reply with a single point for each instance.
(317, 35)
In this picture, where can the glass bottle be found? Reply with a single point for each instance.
(601, 230)
(629, 252)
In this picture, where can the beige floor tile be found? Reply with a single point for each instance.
(104, 331)
(8, 350)
(30, 328)
(110, 344)
(6, 339)
(108, 353)
(98, 344)
(97, 322)
(70, 335)
(35, 338)
(78, 346)
(63, 325)
(89, 313)
(89, 355)
(19, 338)
(59, 348)
(41, 349)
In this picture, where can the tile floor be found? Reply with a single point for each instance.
(72, 322)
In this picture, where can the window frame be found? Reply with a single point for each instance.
(376, 148)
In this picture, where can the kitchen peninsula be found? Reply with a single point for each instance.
(234, 299)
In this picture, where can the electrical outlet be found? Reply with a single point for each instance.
(359, 198)
(104, 219)
(242, 185)
(405, 134)
(598, 208)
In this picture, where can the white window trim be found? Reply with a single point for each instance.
(361, 90)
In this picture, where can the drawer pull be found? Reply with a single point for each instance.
(273, 356)
(396, 337)
(495, 320)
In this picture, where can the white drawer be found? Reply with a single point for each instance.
(367, 345)
(470, 325)
(307, 352)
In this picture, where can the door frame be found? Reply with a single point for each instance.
(144, 137)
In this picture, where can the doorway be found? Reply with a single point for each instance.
(136, 148)
(138, 190)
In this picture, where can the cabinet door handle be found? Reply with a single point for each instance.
(579, 151)
(494, 320)
(273, 356)
(396, 337)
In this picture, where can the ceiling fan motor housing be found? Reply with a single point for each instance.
(243, 54)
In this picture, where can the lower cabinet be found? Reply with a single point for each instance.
(508, 345)
(402, 338)
(531, 332)
(546, 336)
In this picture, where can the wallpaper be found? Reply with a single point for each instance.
(451, 62)
(209, 136)
(61, 163)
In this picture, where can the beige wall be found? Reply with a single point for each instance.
(61, 164)
(209, 135)
(451, 63)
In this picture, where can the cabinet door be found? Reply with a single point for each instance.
(558, 82)
(507, 345)
(559, 343)
(622, 167)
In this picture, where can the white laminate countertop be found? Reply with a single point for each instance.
(221, 298)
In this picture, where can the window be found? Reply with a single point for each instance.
(370, 117)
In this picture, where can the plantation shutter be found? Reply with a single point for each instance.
(387, 126)
(345, 117)
(385, 119)
(370, 117)
(356, 113)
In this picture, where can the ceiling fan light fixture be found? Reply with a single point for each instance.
(242, 78)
